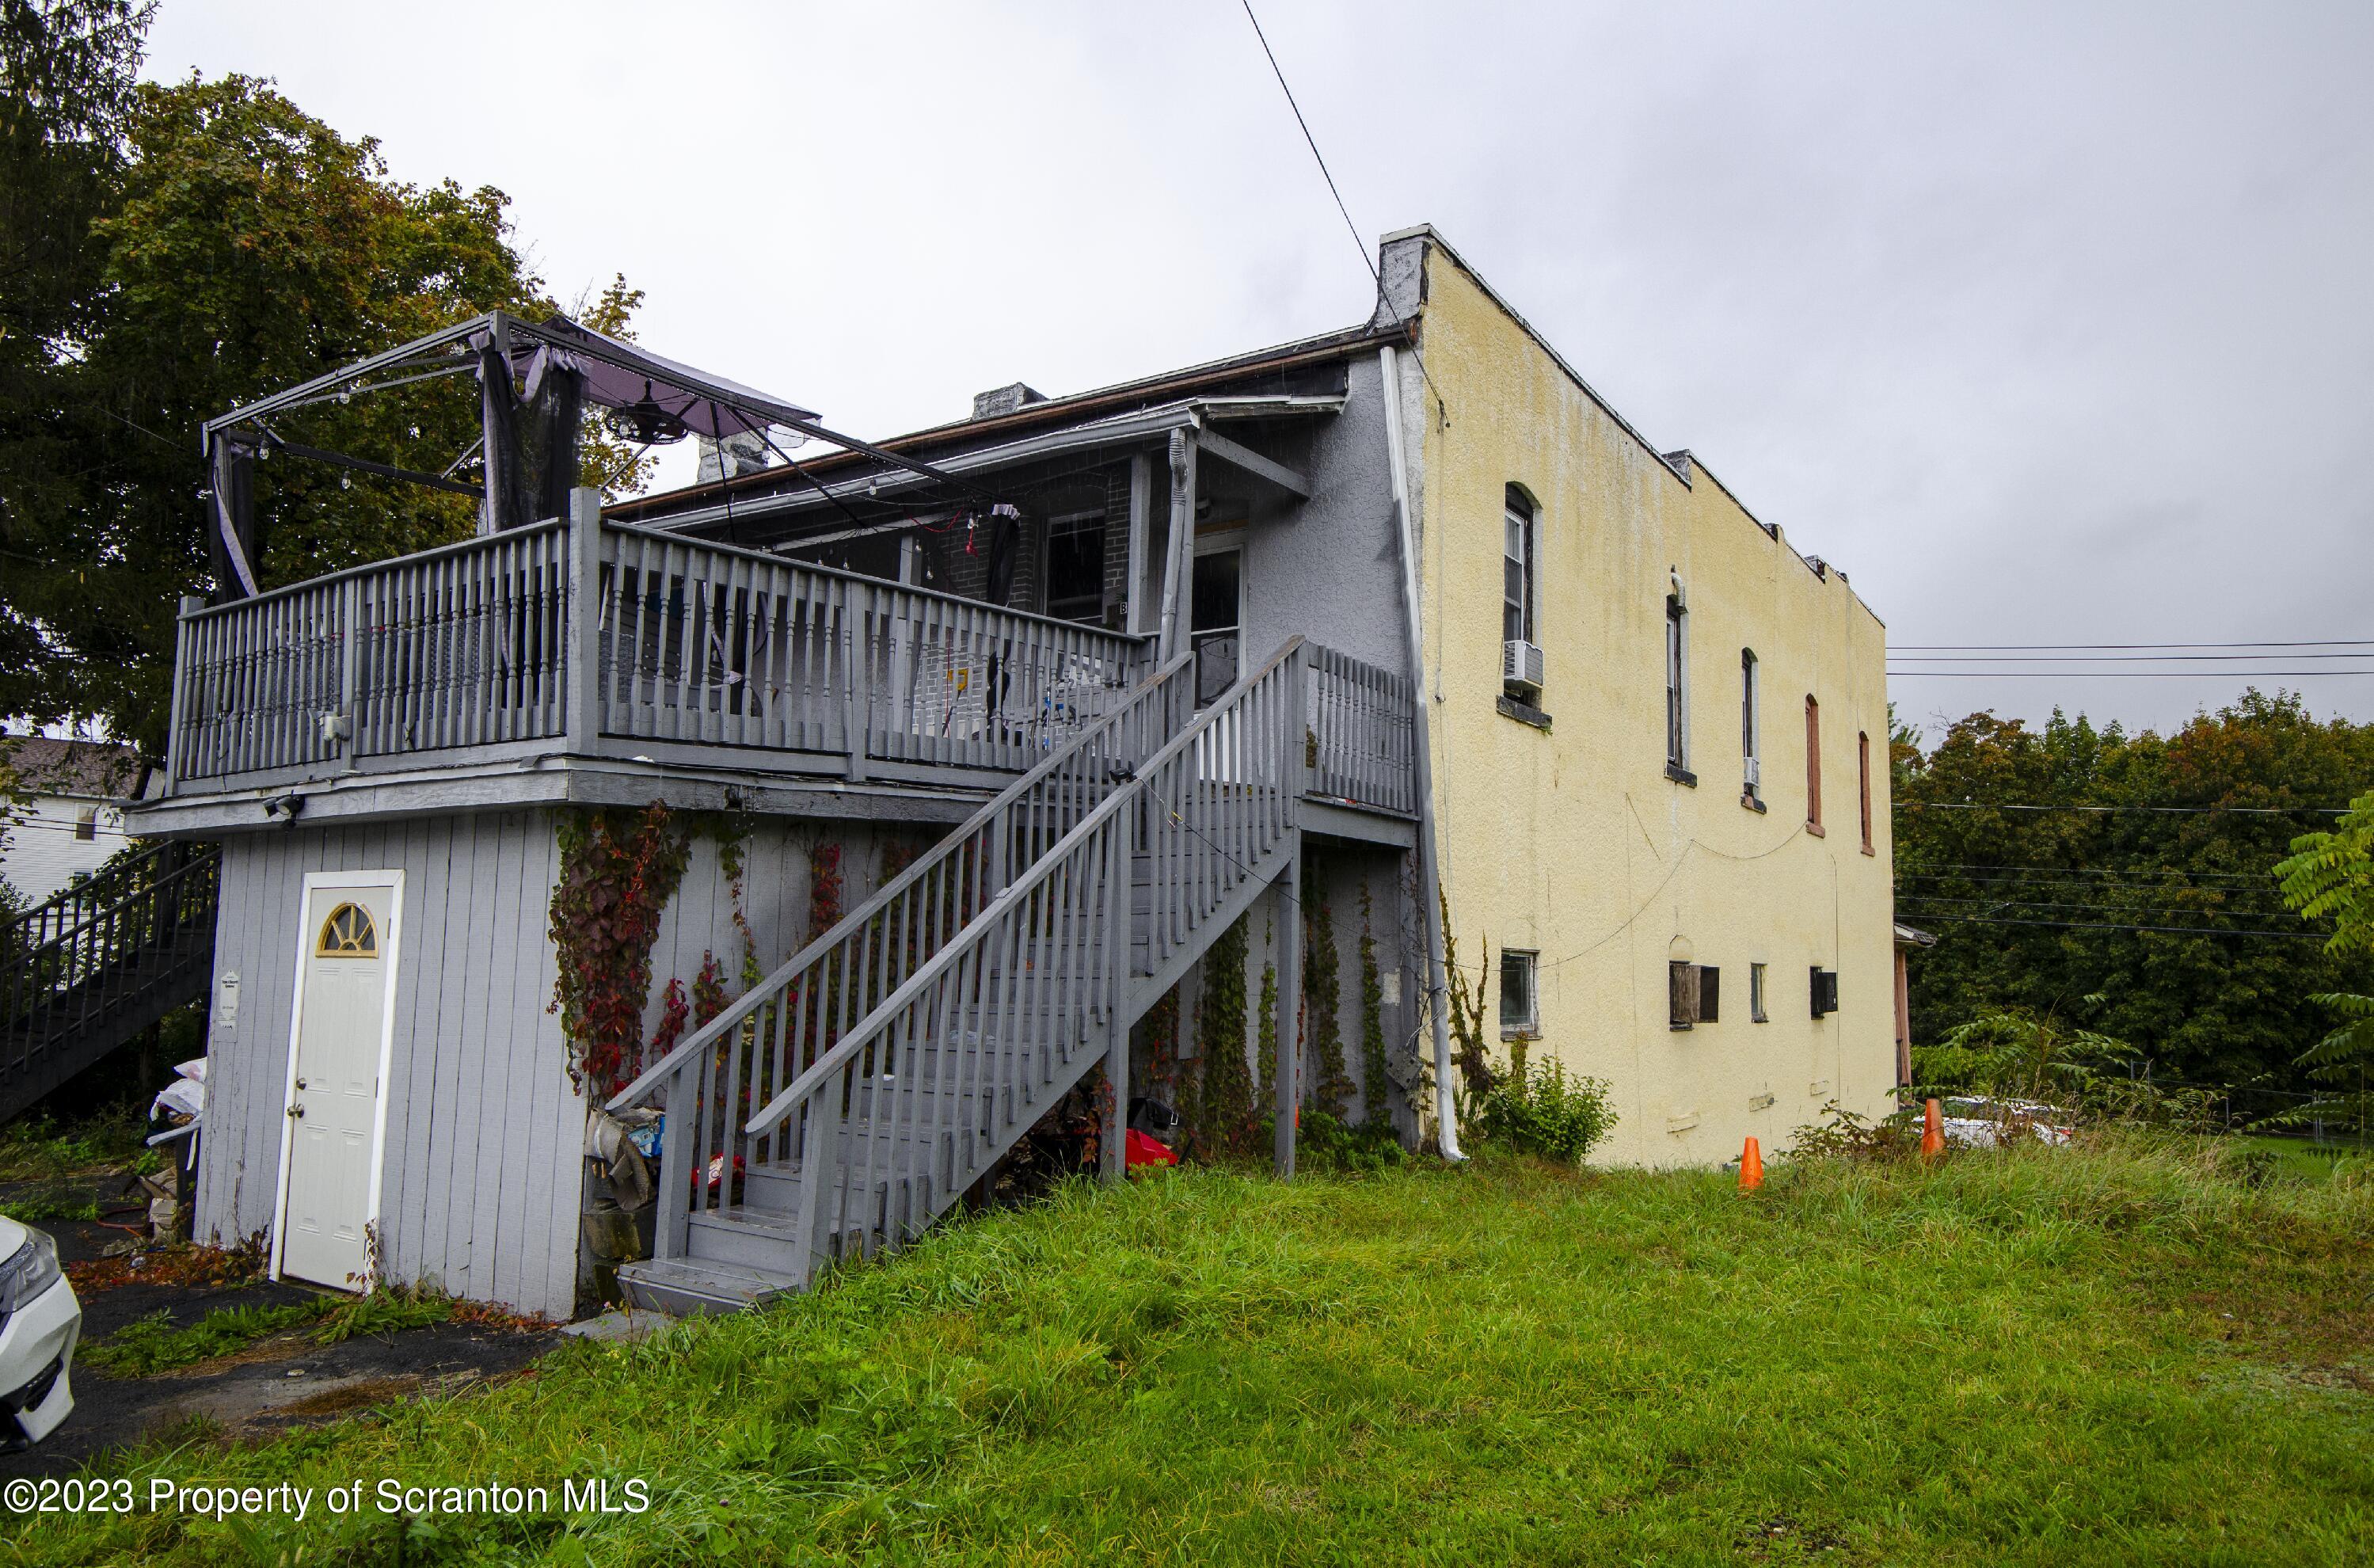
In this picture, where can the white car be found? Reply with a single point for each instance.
(39, 1321)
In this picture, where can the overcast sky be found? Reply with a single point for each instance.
(2047, 324)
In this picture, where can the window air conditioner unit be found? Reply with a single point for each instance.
(1520, 665)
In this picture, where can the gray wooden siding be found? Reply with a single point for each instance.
(484, 1133)
(481, 1192)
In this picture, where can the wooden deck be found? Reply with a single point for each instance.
(591, 661)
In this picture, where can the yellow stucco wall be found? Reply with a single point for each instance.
(1575, 843)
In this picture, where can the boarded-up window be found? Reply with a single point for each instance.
(1825, 991)
(1812, 766)
(1694, 994)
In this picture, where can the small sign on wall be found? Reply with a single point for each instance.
(227, 1001)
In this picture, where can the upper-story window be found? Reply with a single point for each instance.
(1812, 766)
(1678, 672)
(1751, 744)
(1518, 597)
(1863, 768)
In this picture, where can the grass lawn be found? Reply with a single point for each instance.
(2299, 1157)
(2099, 1355)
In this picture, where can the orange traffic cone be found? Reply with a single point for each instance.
(1933, 1133)
(1751, 1167)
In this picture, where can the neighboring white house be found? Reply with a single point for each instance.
(67, 816)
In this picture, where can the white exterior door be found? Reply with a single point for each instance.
(329, 1193)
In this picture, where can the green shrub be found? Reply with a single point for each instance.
(1538, 1109)
(1355, 1149)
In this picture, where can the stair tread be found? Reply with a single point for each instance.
(721, 1282)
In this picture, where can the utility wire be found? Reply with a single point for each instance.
(2115, 674)
(1351, 228)
(2163, 910)
(1441, 408)
(2055, 872)
(2025, 647)
(2164, 810)
(2111, 658)
(2101, 926)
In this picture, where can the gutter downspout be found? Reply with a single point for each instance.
(1429, 872)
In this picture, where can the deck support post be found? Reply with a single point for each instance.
(1112, 1142)
(1180, 552)
(676, 1193)
(584, 657)
(1290, 1009)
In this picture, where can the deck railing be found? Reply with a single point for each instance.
(1362, 726)
(480, 643)
(69, 964)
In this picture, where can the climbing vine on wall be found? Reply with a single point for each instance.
(1223, 1109)
(1322, 993)
(709, 993)
(1373, 1084)
(824, 888)
(617, 875)
(731, 831)
(1161, 1028)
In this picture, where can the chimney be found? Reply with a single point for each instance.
(1004, 400)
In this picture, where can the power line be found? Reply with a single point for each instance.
(2117, 674)
(1351, 228)
(2164, 810)
(2023, 647)
(2057, 872)
(2086, 883)
(2113, 658)
(2164, 911)
(2098, 925)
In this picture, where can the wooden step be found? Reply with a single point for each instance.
(680, 1286)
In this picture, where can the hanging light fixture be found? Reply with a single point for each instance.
(645, 423)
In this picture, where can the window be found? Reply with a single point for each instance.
(1694, 994)
(1518, 597)
(1756, 994)
(1075, 568)
(1521, 1002)
(1812, 766)
(348, 933)
(1825, 991)
(87, 825)
(1863, 767)
(1677, 758)
(1752, 767)
(1216, 620)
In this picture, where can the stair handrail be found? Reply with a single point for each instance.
(17, 951)
(99, 885)
(1156, 687)
(864, 1031)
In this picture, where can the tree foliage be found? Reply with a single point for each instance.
(2330, 877)
(175, 251)
(2034, 910)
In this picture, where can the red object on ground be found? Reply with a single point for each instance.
(1751, 1167)
(1933, 1133)
(1140, 1150)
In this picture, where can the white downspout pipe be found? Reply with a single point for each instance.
(1430, 870)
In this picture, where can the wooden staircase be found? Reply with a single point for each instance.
(86, 970)
(851, 1098)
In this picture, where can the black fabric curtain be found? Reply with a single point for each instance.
(232, 549)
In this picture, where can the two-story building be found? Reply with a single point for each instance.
(971, 748)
